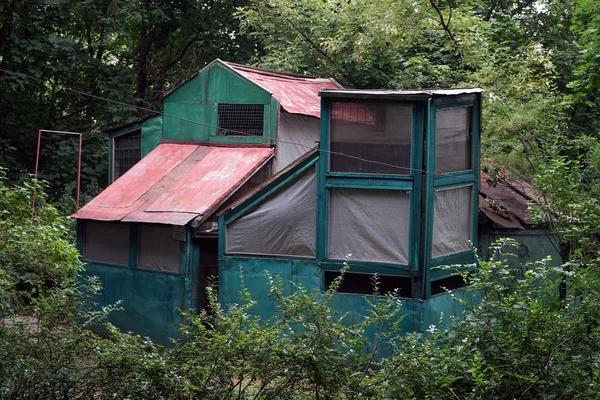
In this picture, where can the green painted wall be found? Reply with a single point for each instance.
(152, 131)
(232, 269)
(534, 245)
(150, 299)
(197, 99)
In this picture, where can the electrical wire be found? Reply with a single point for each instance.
(99, 98)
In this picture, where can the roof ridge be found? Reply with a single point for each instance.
(270, 72)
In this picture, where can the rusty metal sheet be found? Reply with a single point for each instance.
(125, 194)
(297, 95)
(498, 218)
(211, 180)
(511, 200)
(175, 184)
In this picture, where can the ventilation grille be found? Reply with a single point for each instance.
(241, 120)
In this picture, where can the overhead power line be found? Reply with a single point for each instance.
(99, 98)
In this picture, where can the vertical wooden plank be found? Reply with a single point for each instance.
(418, 138)
(476, 165)
(221, 235)
(322, 196)
(133, 244)
(428, 203)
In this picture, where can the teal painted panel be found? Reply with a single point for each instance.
(253, 272)
(439, 309)
(534, 245)
(149, 299)
(151, 134)
(196, 101)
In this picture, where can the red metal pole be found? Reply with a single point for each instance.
(78, 173)
(35, 174)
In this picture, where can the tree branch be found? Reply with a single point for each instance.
(183, 52)
(445, 24)
(318, 48)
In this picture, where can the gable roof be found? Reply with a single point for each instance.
(176, 183)
(297, 94)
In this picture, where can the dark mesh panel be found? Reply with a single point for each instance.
(127, 152)
(378, 132)
(241, 120)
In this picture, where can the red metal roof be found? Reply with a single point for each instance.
(176, 183)
(505, 203)
(295, 93)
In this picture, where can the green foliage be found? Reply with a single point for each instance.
(35, 251)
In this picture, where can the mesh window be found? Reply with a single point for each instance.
(158, 250)
(453, 140)
(452, 221)
(372, 225)
(379, 132)
(284, 224)
(358, 283)
(127, 151)
(241, 120)
(106, 242)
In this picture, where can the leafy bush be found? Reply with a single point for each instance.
(35, 250)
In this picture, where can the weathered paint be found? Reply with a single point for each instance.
(253, 273)
(228, 83)
(197, 100)
(296, 94)
(149, 299)
(176, 183)
(123, 196)
(534, 245)
(211, 179)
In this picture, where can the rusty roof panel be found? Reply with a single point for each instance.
(153, 190)
(296, 94)
(145, 174)
(221, 171)
(506, 204)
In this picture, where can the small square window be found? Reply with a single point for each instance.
(241, 120)
(371, 138)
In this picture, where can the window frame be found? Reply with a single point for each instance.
(114, 151)
(357, 174)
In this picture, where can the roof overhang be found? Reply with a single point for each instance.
(176, 183)
(396, 95)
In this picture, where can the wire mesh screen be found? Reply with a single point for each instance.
(106, 242)
(371, 138)
(453, 136)
(127, 152)
(241, 119)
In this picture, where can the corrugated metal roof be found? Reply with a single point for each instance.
(297, 94)
(505, 204)
(176, 183)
